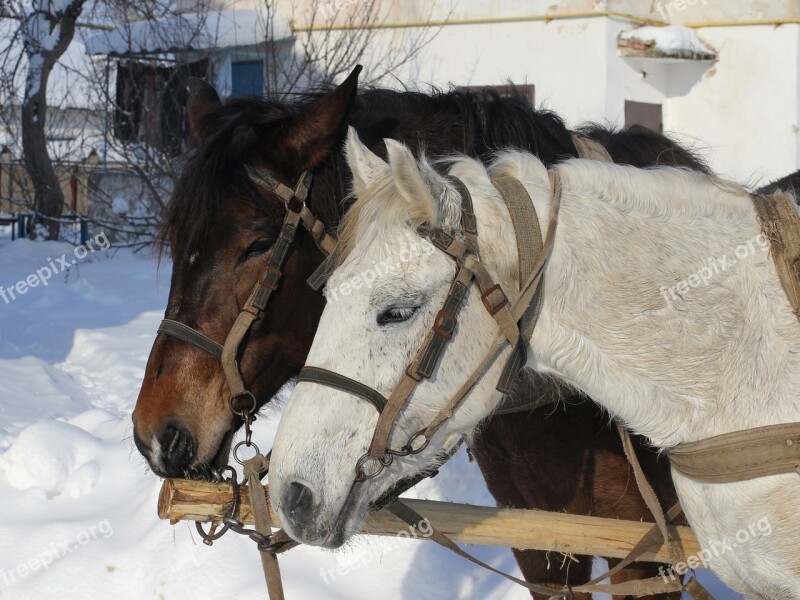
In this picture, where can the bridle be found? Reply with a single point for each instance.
(242, 402)
(462, 247)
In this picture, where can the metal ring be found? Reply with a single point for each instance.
(242, 412)
(409, 447)
(236, 451)
(380, 465)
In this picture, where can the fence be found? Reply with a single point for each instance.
(16, 188)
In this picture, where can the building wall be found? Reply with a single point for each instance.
(741, 112)
(745, 108)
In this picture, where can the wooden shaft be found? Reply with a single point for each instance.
(183, 499)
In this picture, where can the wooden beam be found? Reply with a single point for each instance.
(183, 499)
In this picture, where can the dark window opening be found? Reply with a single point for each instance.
(644, 114)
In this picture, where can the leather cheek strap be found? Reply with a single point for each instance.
(343, 384)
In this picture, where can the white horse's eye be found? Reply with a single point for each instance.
(396, 314)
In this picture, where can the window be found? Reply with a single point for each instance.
(504, 91)
(247, 78)
(644, 115)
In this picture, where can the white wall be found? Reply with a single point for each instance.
(744, 109)
(742, 112)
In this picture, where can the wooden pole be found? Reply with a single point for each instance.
(183, 499)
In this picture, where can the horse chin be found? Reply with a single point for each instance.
(348, 523)
(206, 471)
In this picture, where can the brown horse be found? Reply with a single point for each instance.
(220, 226)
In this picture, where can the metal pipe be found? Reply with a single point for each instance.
(481, 21)
(545, 18)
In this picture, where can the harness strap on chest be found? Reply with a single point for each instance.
(741, 455)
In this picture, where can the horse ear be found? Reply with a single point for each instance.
(314, 131)
(364, 164)
(203, 98)
(435, 201)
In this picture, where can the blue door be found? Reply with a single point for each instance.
(247, 78)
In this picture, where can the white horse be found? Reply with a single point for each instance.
(660, 301)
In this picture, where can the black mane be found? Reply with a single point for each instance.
(790, 183)
(440, 123)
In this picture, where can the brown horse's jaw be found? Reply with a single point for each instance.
(205, 471)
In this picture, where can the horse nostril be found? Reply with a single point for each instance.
(299, 501)
(177, 449)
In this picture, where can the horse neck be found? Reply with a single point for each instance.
(673, 368)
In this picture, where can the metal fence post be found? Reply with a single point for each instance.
(84, 230)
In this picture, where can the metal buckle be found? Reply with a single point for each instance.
(492, 308)
(271, 278)
(445, 324)
(413, 374)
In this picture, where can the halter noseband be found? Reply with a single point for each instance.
(242, 402)
(462, 247)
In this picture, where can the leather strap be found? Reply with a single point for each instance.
(253, 468)
(741, 455)
(187, 334)
(648, 494)
(258, 300)
(344, 384)
(527, 293)
(528, 234)
(780, 222)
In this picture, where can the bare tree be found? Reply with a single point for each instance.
(332, 36)
(47, 29)
(304, 44)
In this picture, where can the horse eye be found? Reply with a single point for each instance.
(257, 248)
(396, 314)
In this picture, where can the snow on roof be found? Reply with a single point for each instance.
(191, 31)
(672, 41)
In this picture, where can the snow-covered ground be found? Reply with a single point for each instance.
(78, 503)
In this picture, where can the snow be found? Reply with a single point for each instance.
(672, 40)
(79, 504)
(192, 31)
